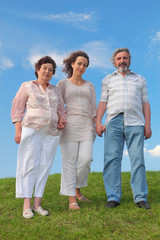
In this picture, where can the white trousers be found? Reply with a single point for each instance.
(76, 161)
(36, 153)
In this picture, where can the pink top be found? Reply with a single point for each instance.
(38, 107)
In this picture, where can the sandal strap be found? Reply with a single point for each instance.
(83, 199)
(28, 213)
(74, 205)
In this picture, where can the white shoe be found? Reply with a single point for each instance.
(28, 213)
(41, 211)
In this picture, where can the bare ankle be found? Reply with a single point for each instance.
(72, 199)
(27, 203)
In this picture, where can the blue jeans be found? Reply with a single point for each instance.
(114, 138)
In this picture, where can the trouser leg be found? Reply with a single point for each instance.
(69, 151)
(83, 163)
(48, 151)
(27, 163)
(135, 144)
(35, 157)
(113, 150)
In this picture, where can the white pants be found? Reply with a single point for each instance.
(76, 161)
(36, 153)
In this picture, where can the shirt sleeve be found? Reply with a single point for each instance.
(144, 90)
(93, 101)
(104, 96)
(60, 86)
(61, 109)
(19, 104)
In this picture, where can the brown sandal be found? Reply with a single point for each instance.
(74, 206)
(83, 199)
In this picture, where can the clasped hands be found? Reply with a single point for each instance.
(100, 129)
(61, 123)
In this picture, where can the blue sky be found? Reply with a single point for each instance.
(30, 29)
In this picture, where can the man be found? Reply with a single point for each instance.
(125, 96)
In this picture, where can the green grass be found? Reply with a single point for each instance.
(92, 221)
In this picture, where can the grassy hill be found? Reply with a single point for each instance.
(92, 221)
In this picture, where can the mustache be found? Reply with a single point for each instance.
(123, 63)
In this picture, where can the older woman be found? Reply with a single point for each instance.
(37, 113)
(79, 134)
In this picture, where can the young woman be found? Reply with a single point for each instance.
(78, 136)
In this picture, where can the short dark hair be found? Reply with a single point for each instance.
(71, 59)
(43, 60)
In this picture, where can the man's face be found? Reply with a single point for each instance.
(122, 62)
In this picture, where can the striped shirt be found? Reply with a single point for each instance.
(125, 95)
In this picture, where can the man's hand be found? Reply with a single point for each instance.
(100, 112)
(147, 132)
(100, 129)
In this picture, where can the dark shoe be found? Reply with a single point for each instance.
(143, 204)
(112, 204)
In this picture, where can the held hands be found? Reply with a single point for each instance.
(61, 123)
(100, 129)
(61, 120)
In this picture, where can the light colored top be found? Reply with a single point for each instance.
(125, 94)
(81, 108)
(38, 107)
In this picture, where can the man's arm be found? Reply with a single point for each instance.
(147, 116)
(100, 112)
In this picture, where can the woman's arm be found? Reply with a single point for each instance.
(100, 112)
(18, 132)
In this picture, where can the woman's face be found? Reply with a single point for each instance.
(45, 72)
(80, 65)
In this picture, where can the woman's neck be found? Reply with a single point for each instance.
(77, 80)
(42, 83)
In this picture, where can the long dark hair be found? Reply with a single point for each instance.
(71, 59)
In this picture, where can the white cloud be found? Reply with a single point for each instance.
(154, 47)
(33, 58)
(6, 63)
(99, 53)
(154, 152)
(85, 21)
(156, 38)
(71, 17)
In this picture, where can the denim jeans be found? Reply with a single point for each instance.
(115, 136)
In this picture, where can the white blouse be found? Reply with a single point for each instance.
(81, 108)
(37, 108)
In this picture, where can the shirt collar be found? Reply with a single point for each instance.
(117, 73)
(36, 82)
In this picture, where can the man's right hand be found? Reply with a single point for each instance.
(100, 129)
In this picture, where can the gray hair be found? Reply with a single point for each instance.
(118, 50)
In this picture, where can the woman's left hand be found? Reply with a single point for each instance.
(61, 123)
